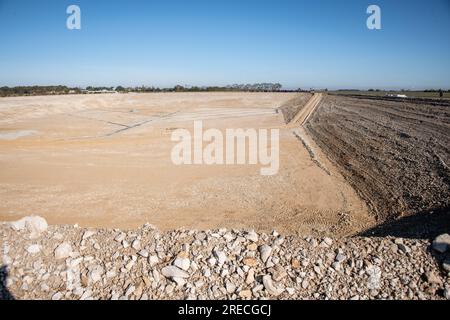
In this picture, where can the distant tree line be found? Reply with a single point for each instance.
(90, 88)
(258, 87)
(36, 90)
(55, 90)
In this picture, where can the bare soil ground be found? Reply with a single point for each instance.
(104, 161)
(395, 153)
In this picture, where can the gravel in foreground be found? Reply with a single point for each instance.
(68, 262)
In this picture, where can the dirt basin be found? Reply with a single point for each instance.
(104, 161)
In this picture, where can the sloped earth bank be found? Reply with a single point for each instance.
(67, 262)
(292, 107)
(396, 154)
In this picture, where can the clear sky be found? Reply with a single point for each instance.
(320, 43)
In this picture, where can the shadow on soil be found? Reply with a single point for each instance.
(4, 292)
(425, 225)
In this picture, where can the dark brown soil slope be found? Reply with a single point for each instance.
(396, 154)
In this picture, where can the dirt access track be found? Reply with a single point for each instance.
(104, 161)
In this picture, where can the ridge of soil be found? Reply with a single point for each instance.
(395, 153)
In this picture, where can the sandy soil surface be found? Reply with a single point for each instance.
(396, 153)
(104, 161)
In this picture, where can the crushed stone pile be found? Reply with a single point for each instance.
(69, 262)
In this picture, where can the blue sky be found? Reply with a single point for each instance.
(321, 43)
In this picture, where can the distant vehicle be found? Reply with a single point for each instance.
(397, 95)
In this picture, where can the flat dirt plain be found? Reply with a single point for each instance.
(104, 161)
(396, 153)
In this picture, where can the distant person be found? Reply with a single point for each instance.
(441, 94)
